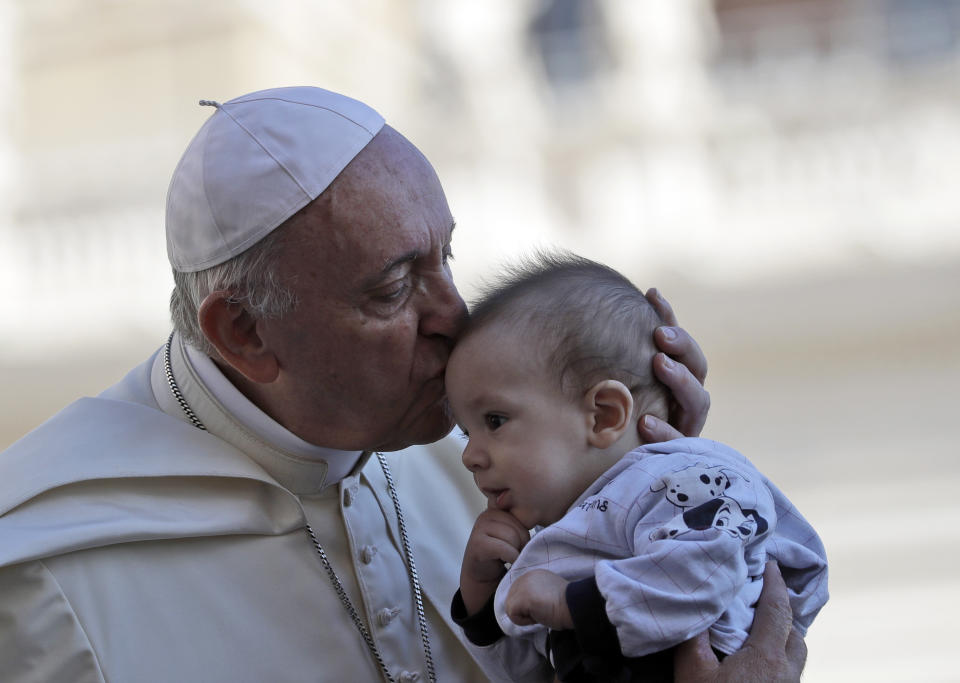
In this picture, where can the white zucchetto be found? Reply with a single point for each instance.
(254, 163)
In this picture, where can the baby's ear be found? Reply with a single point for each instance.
(609, 410)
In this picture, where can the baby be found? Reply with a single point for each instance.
(638, 547)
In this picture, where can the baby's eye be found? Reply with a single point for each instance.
(494, 421)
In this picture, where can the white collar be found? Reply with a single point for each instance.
(301, 467)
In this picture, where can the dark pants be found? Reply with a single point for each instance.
(574, 666)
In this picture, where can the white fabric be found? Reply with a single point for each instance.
(668, 564)
(136, 547)
(254, 163)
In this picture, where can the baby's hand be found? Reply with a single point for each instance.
(496, 539)
(539, 597)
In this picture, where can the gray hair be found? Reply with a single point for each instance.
(253, 280)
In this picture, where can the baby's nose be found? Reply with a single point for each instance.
(472, 457)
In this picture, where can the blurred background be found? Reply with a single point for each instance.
(785, 171)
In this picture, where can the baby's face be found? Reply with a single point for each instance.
(527, 447)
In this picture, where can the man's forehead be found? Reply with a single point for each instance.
(362, 246)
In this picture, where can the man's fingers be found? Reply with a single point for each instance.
(655, 430)
(682, 367)
(693, 400)
(773, 620)
(694, 660)
(674, 340)
(677, 343)
(661, 306)
(796, 653)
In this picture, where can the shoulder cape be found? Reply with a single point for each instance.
(104, 471)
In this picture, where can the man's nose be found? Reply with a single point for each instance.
(443, 311)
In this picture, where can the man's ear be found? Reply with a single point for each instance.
(609, 407)
(233, 333)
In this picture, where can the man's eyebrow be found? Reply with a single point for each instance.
(375, 279)
(409, 256)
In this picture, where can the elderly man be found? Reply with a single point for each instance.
(226, 512)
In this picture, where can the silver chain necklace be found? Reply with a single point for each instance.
(334, 579)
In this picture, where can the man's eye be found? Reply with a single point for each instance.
(393, 292)
(447, 254)
(494, 421)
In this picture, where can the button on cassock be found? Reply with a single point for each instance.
(387, 614)
(350, 495)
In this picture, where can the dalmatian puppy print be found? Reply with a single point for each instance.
(719, 513)
(694, 485)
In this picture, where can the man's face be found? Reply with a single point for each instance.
(362, 358)
(528, 446)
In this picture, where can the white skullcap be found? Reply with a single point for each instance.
(256, 161)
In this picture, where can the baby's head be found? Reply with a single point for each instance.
(549, 379)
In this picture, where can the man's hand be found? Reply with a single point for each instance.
(774, 651)
(539, 597)
(496, 539)
(683, 368)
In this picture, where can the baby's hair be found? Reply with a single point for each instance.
(583, 318)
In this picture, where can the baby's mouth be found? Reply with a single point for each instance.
(496, 497)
